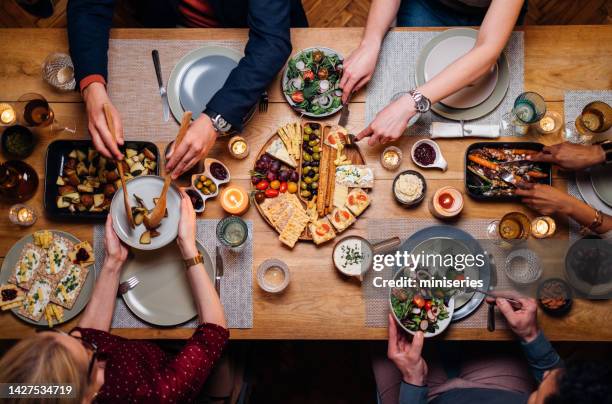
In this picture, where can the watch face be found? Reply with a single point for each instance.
(423, 105)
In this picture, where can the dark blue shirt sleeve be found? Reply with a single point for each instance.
(89, 23)
(411, 394)
(266, 52)
(541, 356)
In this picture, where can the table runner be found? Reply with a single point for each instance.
(236, 283)
(377, 306)
(132, 83)
(395, 72)
(574, 102)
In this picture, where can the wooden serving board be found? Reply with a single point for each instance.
(352, 153)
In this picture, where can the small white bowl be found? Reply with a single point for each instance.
(439, 162)
(266, 266)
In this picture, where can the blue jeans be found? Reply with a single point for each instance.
(431, 13)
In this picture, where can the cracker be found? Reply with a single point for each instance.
(75, 274)
(21, 266)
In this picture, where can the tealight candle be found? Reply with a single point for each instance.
(22, 215)
(550, 123)
(7, 114)
(234, 200)
(391, 158)
(238, 147)
(543, 227)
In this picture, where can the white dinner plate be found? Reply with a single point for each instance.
(601, 180)
(585, 187)
(146, 187)
(163, 295)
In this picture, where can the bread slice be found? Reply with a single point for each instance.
(30, 262)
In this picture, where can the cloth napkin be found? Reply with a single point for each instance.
(450, 130)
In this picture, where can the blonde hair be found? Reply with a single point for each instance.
(44, 359)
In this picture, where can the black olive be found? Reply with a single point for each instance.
(311, 174)
(313, 192)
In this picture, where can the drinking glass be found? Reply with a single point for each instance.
(572, 134)
(58, 71)
(33, 110)
(232, 231)
(528, 109)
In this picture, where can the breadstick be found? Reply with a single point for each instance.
(12, 306)
(323, 178)
(331, 181)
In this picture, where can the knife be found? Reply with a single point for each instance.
(219, 272)
(160, 82)
(344, 114)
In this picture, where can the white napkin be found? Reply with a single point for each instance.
(450, 130)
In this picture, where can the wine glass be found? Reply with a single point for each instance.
(34, 111)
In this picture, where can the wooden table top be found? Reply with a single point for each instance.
(320, 303)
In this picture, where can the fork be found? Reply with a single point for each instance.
(508, 177)
(263, 102)
(127, 285)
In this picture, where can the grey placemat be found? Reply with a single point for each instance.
(574, 103)
(377, 306)
(395, 72)
(236, 283)
(132, 84)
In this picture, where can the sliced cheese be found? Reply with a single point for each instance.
(278, 150)
(340, 194)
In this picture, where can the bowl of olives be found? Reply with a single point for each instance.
(311, 157)
(207, 183)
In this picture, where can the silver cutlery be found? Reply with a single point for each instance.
(131, 283)
(263, 102)
(513, 302)
(219, 271)
(162, 90)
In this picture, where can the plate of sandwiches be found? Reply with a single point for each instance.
(47, 278)
(308, 184)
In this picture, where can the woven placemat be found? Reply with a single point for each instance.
(574, 103)
(395, 72)
(132, 83)
(236, 283)
(376, 299)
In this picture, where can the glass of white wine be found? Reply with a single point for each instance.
(34, 111)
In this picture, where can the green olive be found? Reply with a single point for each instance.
(307, 157)
(208, 183)
(306, 138)
(316, 132)
(314, 185)
(212, 188)
(315, 169)
(305, 194)
(205, 191)
(303, 185)
(316, 177)
(316, 156)
(316, 149)
(307, 180)
(313, 143)
(306, 169)
(307, 130)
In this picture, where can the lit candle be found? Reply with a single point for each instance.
(238, 147)
(22, 215)
(234, 200)
(7, 114)
(543, 227)
(391, 158)
(550, 123)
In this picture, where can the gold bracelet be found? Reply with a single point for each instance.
(198, 259)
(597, 221)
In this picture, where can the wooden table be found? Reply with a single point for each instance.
(319, 303)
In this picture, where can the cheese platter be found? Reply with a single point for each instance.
(309, 184)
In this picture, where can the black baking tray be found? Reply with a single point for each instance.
(471, 178)
(54, 165)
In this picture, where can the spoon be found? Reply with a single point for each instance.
(153, 220)
(126, 201)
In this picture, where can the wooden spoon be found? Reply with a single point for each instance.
(126, 200)
(153, 220)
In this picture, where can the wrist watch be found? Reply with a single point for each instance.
(222, 126)
(607, 148)
(422, 103)
(198, 259)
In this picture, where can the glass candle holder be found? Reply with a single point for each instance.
(232, 231)
(238, 147)
(550, 124)
(8, 115)
(391, 158)
(58, 71)
(22, 215)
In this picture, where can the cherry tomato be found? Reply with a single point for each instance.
(460, 277)
(275, 184)
(271, 193)
(298, 96)
(292, 187)
(418, 301)
(428, 305)
(283, 187)
(260, 197)
(308, 75)
(262, 185)
(323, 73)
(324, 229)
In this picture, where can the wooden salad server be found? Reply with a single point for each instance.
(126, 201)
(152, 220)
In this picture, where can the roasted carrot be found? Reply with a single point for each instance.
(537, 174)
(483, 162)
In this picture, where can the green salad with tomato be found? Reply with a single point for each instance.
(416, 312)
(311, 82)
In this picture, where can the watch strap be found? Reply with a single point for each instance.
(215, 117)
(607, 148)
(422, 104)
(189, 262)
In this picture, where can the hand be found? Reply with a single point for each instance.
(522, 321)
(545, 199)
(196, 144)
(407, 356)
(391, 122)
(571, 156)
(95, 97)
(187, 228)
(358, 69)
(116, 251)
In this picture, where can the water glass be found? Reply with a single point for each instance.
(232, 231)
(58, 71)
(529, 107)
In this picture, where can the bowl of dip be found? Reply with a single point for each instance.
(409, 188)
(427, 154)
(353, 255)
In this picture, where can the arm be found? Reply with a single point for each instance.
(359, 66)
(268, 48)
(548, 200)
(205, 296)
(99, 312)
(569, 156)
(496, 28)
